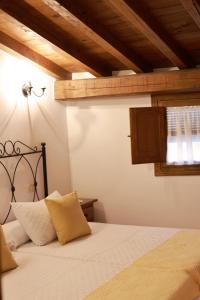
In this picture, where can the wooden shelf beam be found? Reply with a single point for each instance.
(164, 82)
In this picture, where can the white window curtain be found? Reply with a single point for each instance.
(183, 145)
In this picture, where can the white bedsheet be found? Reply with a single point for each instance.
(70, 272)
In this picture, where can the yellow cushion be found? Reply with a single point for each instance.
(7, 261)
(67, 217)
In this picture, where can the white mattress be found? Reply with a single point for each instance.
(72, 271)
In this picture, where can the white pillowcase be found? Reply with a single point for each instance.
(15, 234)
(35, 219)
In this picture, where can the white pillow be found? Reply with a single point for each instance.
(15, 234)
(35, 219)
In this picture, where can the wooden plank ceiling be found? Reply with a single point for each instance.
(102, 36)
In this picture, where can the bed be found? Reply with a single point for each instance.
(74, 270)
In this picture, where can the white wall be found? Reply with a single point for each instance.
(100, 160)
(33, 120)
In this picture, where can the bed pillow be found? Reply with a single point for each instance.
(35, 219)
(15, 234)
(7, 261)
(68, 218)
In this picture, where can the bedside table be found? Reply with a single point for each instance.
(87, 207)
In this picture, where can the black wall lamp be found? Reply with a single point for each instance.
(27, 90)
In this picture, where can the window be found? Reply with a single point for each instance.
(183, 134)
(183, 138)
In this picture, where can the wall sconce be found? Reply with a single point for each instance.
(27, 90)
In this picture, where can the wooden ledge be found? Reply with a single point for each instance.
(164, 82)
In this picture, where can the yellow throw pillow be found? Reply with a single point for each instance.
(68, 218)
(7, 261)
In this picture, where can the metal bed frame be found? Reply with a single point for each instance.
(22, 152)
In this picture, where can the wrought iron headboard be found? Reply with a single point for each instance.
(21, 151)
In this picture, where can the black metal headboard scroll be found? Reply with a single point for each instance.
(22, 151)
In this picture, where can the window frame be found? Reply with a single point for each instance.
(169, 100)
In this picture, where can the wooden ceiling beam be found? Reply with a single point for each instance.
(139, 18)
(101, 36)
(193, 9)
(164, 82)
(35, 21)
(12, 46)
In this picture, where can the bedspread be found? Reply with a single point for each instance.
(76, 269)
(171, 271)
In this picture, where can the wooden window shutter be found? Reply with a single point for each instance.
(148, 134)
